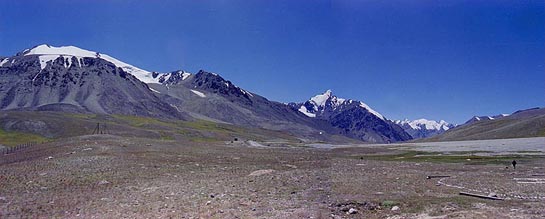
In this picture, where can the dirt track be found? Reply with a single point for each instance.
(114, 177)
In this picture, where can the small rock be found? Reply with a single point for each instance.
(208, 202)
(212, 196)
(48, 158)
(103, 182)
(352, 211)
(291, 166)
(492, 194)
(261, 172)
(87, 149)
(3, 199)
(395, 208)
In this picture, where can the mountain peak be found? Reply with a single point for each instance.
(47, 53)
(45, 49)
(425, 124)
(328, 99)
(321, 99)
(423, 128)
(215, 83)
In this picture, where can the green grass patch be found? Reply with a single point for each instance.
(139, 121)
(527, 152)
(203, 125)
(11, 138)
(469, 159)
(388, 204)
(82, 116)
(166, 136)
(419, 205)
(203, 139)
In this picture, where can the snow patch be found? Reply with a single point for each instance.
(185, 75)
(304, 110)
(67, 61)
(47, 53)
(154, 90)
(321, 99)
(246, 92)
(198, 93)
(363, 105)
(4, 61)
(44, 59)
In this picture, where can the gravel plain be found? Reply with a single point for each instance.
(117, 177)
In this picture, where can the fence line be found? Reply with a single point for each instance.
(9, 150)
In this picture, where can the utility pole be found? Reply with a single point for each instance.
(97, 129)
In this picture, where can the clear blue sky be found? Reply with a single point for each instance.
(407, 59)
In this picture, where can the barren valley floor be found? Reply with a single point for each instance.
(105, 176)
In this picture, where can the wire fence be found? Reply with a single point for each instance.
(9, 150)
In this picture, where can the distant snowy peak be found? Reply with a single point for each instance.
(327, 101)
(423, 128)
(47, 53)
(171, 78)
(321, 99)
(425, 124)
(485, 118)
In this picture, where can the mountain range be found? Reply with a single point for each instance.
(520, 124)
(423, 128)
(354, 118)
(71, 79)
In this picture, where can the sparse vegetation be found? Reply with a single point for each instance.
(12, 138)
(109, 176)
(434, 157)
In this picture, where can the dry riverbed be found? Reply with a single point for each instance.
(116, 177)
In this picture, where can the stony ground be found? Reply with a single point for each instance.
(116, 177)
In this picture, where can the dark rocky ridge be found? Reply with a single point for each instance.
(226, 102)
(84, 84)
(353, 120)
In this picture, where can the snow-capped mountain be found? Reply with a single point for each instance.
(76, 80)
(47, 53)
(423, 128)
(208, 95)
(71, 79)
(354, 118)
(322, 103)
(484, 118)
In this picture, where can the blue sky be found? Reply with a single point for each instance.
(406, 59)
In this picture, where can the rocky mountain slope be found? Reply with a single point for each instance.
(354, 118)
(75, 80)
(423, 128)
(208, 96)
(520, 124)
(484, 118)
